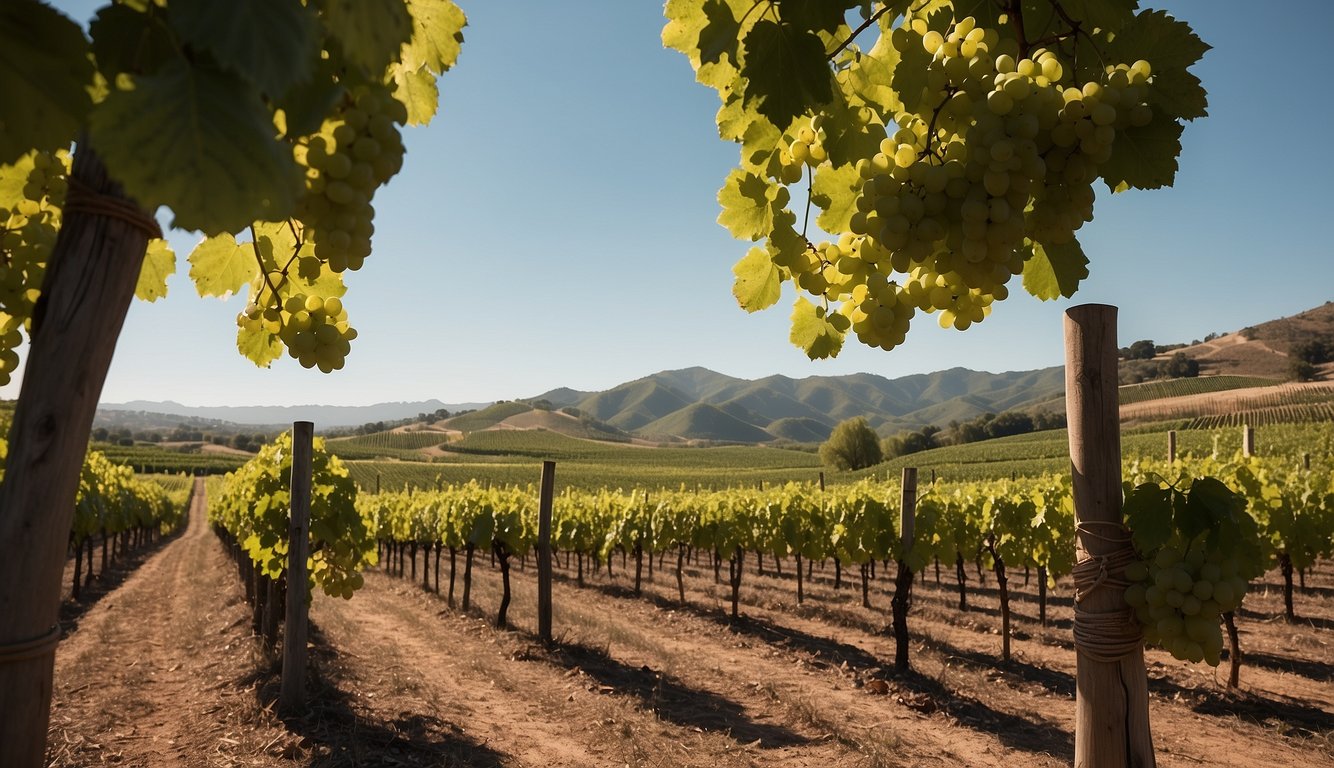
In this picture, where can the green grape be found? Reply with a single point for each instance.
(358, 149)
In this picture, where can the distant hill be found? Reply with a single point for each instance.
(700, 404)
(282, 416)
(697, 404)
(1262, 349)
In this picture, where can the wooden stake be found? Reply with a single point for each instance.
(1111, 699)
(544, 551)
(1248, 440)
(903, 581)
(1171, 446)
(292, 696)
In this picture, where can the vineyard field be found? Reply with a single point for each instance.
(651, 681)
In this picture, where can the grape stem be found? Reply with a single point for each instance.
(810, 191)
(860, 29)
(259, 259)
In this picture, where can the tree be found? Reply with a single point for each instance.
(1178, 366)
(852, 445)
(277, 121)
(1140, 350)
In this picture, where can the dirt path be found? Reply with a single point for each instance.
(148, 677)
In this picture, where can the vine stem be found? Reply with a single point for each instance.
(860, 29)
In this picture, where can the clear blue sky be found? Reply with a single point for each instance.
(555, 227)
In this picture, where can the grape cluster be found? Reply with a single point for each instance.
(1179, 595)
(354, 153)
(28, 228)
(313, 328)
(999, 152)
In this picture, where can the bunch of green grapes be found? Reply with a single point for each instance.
(32, 193)
(356, 152)
(314, 329)
(1001, 151)
(1179, 596)
(1191, 571)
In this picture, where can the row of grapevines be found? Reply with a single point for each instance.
(1029, 523)
(253, 509)
(113, 500)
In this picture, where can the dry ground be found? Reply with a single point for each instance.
(163, 671)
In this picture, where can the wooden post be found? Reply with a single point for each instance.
(292, 696)
(821, 482)
(1306, 461)
(1171, 446)
(1247, 440)
(1111, 698)
(903, 581)
(544, 551)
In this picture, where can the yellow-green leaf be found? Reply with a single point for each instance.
(220, 267)
(812, 332)
(159, 264)
(1055, 271)
(757, 285)
(418, 91)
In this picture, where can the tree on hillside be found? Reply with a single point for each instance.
(852, 445)
(1141, 350)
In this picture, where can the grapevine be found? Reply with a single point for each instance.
(954, 153)
(253, 510)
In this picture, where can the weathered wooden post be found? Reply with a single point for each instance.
(1171, 446)
(903, 582)
(292, 695)
(544, 551)
(1111, 686)
(1247, 440)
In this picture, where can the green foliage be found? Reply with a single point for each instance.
(254, 507)
(44, 76)
(853, 445)
(281, 117)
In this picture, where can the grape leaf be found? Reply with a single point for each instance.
(44, 73)
(834, 191)
(871, 76)
(127, 40)
(786, 71)
(1148, 515)
(816, 15)
(1055, 271)
(159, 264)
(200, 141)
(785, 246)
(721, 35)
(437, 35)
(756, 286)
(418, 91)
(748, 207)
(259, 346)
(1171, 47)
(271, 43)
(1144, 157)
(1103, 14)
(221, 267)
(735, 118)
(305, 104)
(371, 32)
(812, 332)
(759, 148)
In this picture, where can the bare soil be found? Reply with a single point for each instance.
(164, 671)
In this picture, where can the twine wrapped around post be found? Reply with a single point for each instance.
(32, 648)
(81, 197)
(1106, 636)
